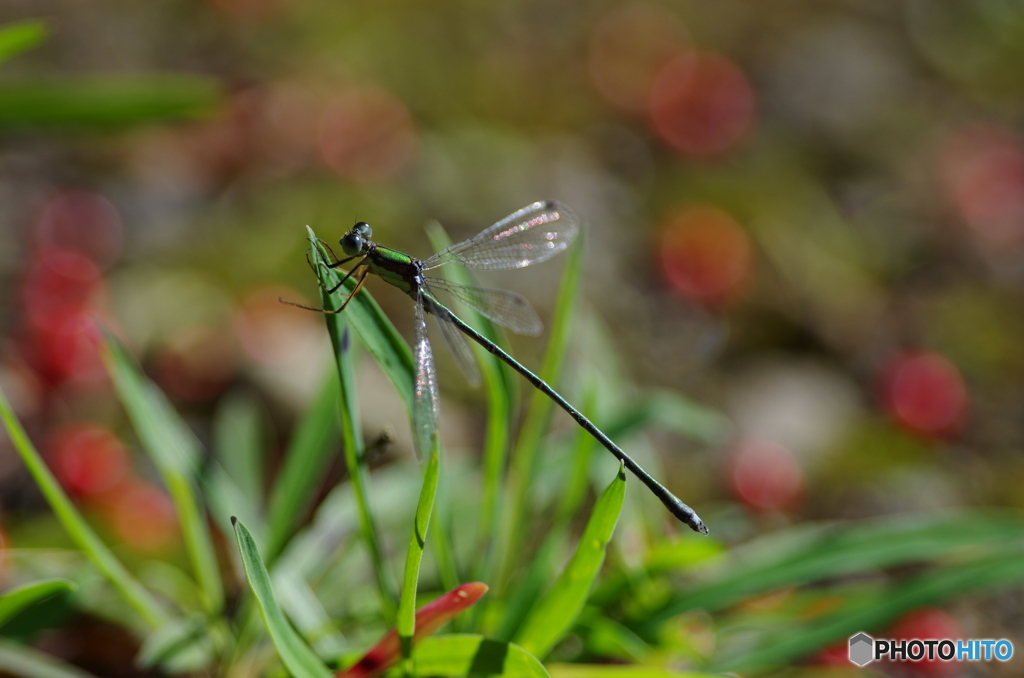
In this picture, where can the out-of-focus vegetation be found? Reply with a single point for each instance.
(799, 305)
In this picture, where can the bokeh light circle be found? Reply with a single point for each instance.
(87, 458)
(366, 134)
(628, 47)
(925, 393)
(704, 255)
(764, 475)
(983, 167)
(702, 105)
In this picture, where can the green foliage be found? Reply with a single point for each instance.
(106, 103)
(296, 655)
(651, 609)
(19, 37)
(555, 614)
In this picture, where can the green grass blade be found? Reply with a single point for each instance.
(813, 554)
(496, 441)
(300, 661)
(406, 623)
(671, 412)
(179, 647)
(470, 655)
(542, 564)
(375, 332)
(103, 103)
(237, 441)
(305, 463)
(17, 599)
(18, 660)
(138, 597)
(175, 452)
(870, 612)
(352, 438)
(529, 439)
(555, 614)
(20, 36)
(309, 616)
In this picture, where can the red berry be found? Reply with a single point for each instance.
(705, 255)
(702, 105)
(928, 623)
(925, 393)
(87, 458)
(765, 475)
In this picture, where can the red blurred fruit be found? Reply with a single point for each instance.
(70, 349)
(925, 393)
(702, 105)
(628, 47)
(87, 458)
(765, 476)
(705, 255)
(983, 166)
(928, 623)
(366, 135)
(59, 284)
(143, 516)
(80, 221)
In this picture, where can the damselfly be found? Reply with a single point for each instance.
(531, 235)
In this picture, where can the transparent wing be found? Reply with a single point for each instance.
(424, 409)
(508, 309)
(456, 342)
(531, 235)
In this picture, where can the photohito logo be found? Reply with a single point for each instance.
(864, 649)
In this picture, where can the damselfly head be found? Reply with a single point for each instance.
(356, 241)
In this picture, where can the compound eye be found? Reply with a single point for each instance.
(352, 244)
(363, 229)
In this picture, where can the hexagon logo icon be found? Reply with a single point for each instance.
(861, 649)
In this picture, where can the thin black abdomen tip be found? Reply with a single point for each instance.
(701, 527)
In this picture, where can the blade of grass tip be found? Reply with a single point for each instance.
(18, 660)
(375, 332)
(555, 614)
(300, 661)
(406, 624)
(537, 412)
(352, 439)
(134, 593)
(17, 599)
(429, 618)
(471, 655)
(175, 453)
(305, 462)
(19, 37)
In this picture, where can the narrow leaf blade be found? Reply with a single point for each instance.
(555, 614)
(298, 658)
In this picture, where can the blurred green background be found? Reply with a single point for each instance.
(805, 216)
